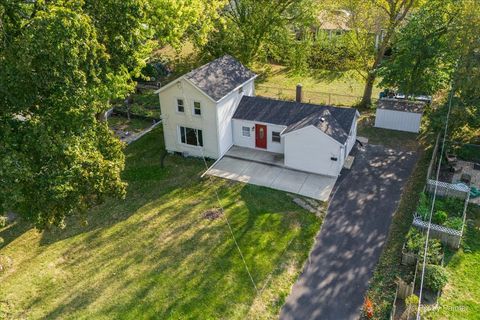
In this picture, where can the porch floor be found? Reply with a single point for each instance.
(255, 155)
(266, 169)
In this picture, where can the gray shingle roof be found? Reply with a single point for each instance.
(401, 105)
(219, 77)
(334, 121)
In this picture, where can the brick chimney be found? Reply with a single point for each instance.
(299, 95)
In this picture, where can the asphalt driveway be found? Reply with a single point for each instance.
(335, 279)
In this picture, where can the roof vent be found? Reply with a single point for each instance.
(322, 119)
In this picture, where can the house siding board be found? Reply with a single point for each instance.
(249, 142)
(352, 138)
(334, 121)
(172, 120)
(225, 111)
(398, 120)
(309, 149)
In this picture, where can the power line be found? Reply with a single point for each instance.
(433, 202)
(223, 213)
(226, 219)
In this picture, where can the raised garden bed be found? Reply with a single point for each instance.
(448, 211)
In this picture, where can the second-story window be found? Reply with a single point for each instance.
(180, 105)
(197, 109)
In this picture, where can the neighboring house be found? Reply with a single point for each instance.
(401, 115)
(333, 22)
(338, 22)
(212, 108)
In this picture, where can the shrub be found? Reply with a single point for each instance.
(454, 206)
(3, 221)
(416, 243)
(411, 303)
(440, 217)
(454, 223)
(434, 253)
(435, 277)
(415, 240)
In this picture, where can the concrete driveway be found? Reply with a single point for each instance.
(268, 175)
(336, 276)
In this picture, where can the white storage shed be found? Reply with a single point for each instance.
(401, 115)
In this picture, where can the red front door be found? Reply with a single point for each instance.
(261, 136)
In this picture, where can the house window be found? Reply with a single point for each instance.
(197, 109)
(246, 131)
(191, 136)
(180, 105)
(275, 136)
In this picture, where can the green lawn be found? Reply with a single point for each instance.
(153, 255)
(389, 138)
(461, 297)
(134, 125)
(345, 88)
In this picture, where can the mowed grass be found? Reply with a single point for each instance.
(388, 138)
(461, 296)
(154, 255)
(323, 87)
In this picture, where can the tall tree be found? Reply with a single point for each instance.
(422, 59)
(56, 158)
(395, 12)
(62, 61)
(250, 27)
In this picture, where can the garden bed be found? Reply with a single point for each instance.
(447, 212)
(408, 286)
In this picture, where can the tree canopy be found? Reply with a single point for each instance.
(423, 60)
(62, 62)
(253, 29)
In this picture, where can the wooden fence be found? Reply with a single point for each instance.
(434, 157)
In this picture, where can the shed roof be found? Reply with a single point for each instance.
(220, 77)
(334, 121)
(401, 105)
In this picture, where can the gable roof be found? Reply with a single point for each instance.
(401, 105)
(220, 77)
(334, 121)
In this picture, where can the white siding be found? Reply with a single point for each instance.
(249, 142)
(309, 149)
(398, 120)
(352, 137)
(225, 110)
(172, 119)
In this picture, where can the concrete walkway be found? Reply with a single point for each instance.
(335, 279)
(274, 176)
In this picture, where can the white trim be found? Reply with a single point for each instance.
(168, 85)
(176, 105)
(179, 133)
(193, 109)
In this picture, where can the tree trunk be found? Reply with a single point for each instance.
(367, 92)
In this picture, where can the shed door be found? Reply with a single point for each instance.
(261, 136)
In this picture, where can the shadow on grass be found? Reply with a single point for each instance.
(194, 274)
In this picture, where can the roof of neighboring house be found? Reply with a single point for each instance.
(334, 121)
(401, 105)
(334, 19)
(220, 77)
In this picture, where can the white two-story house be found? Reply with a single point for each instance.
(212, 108)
